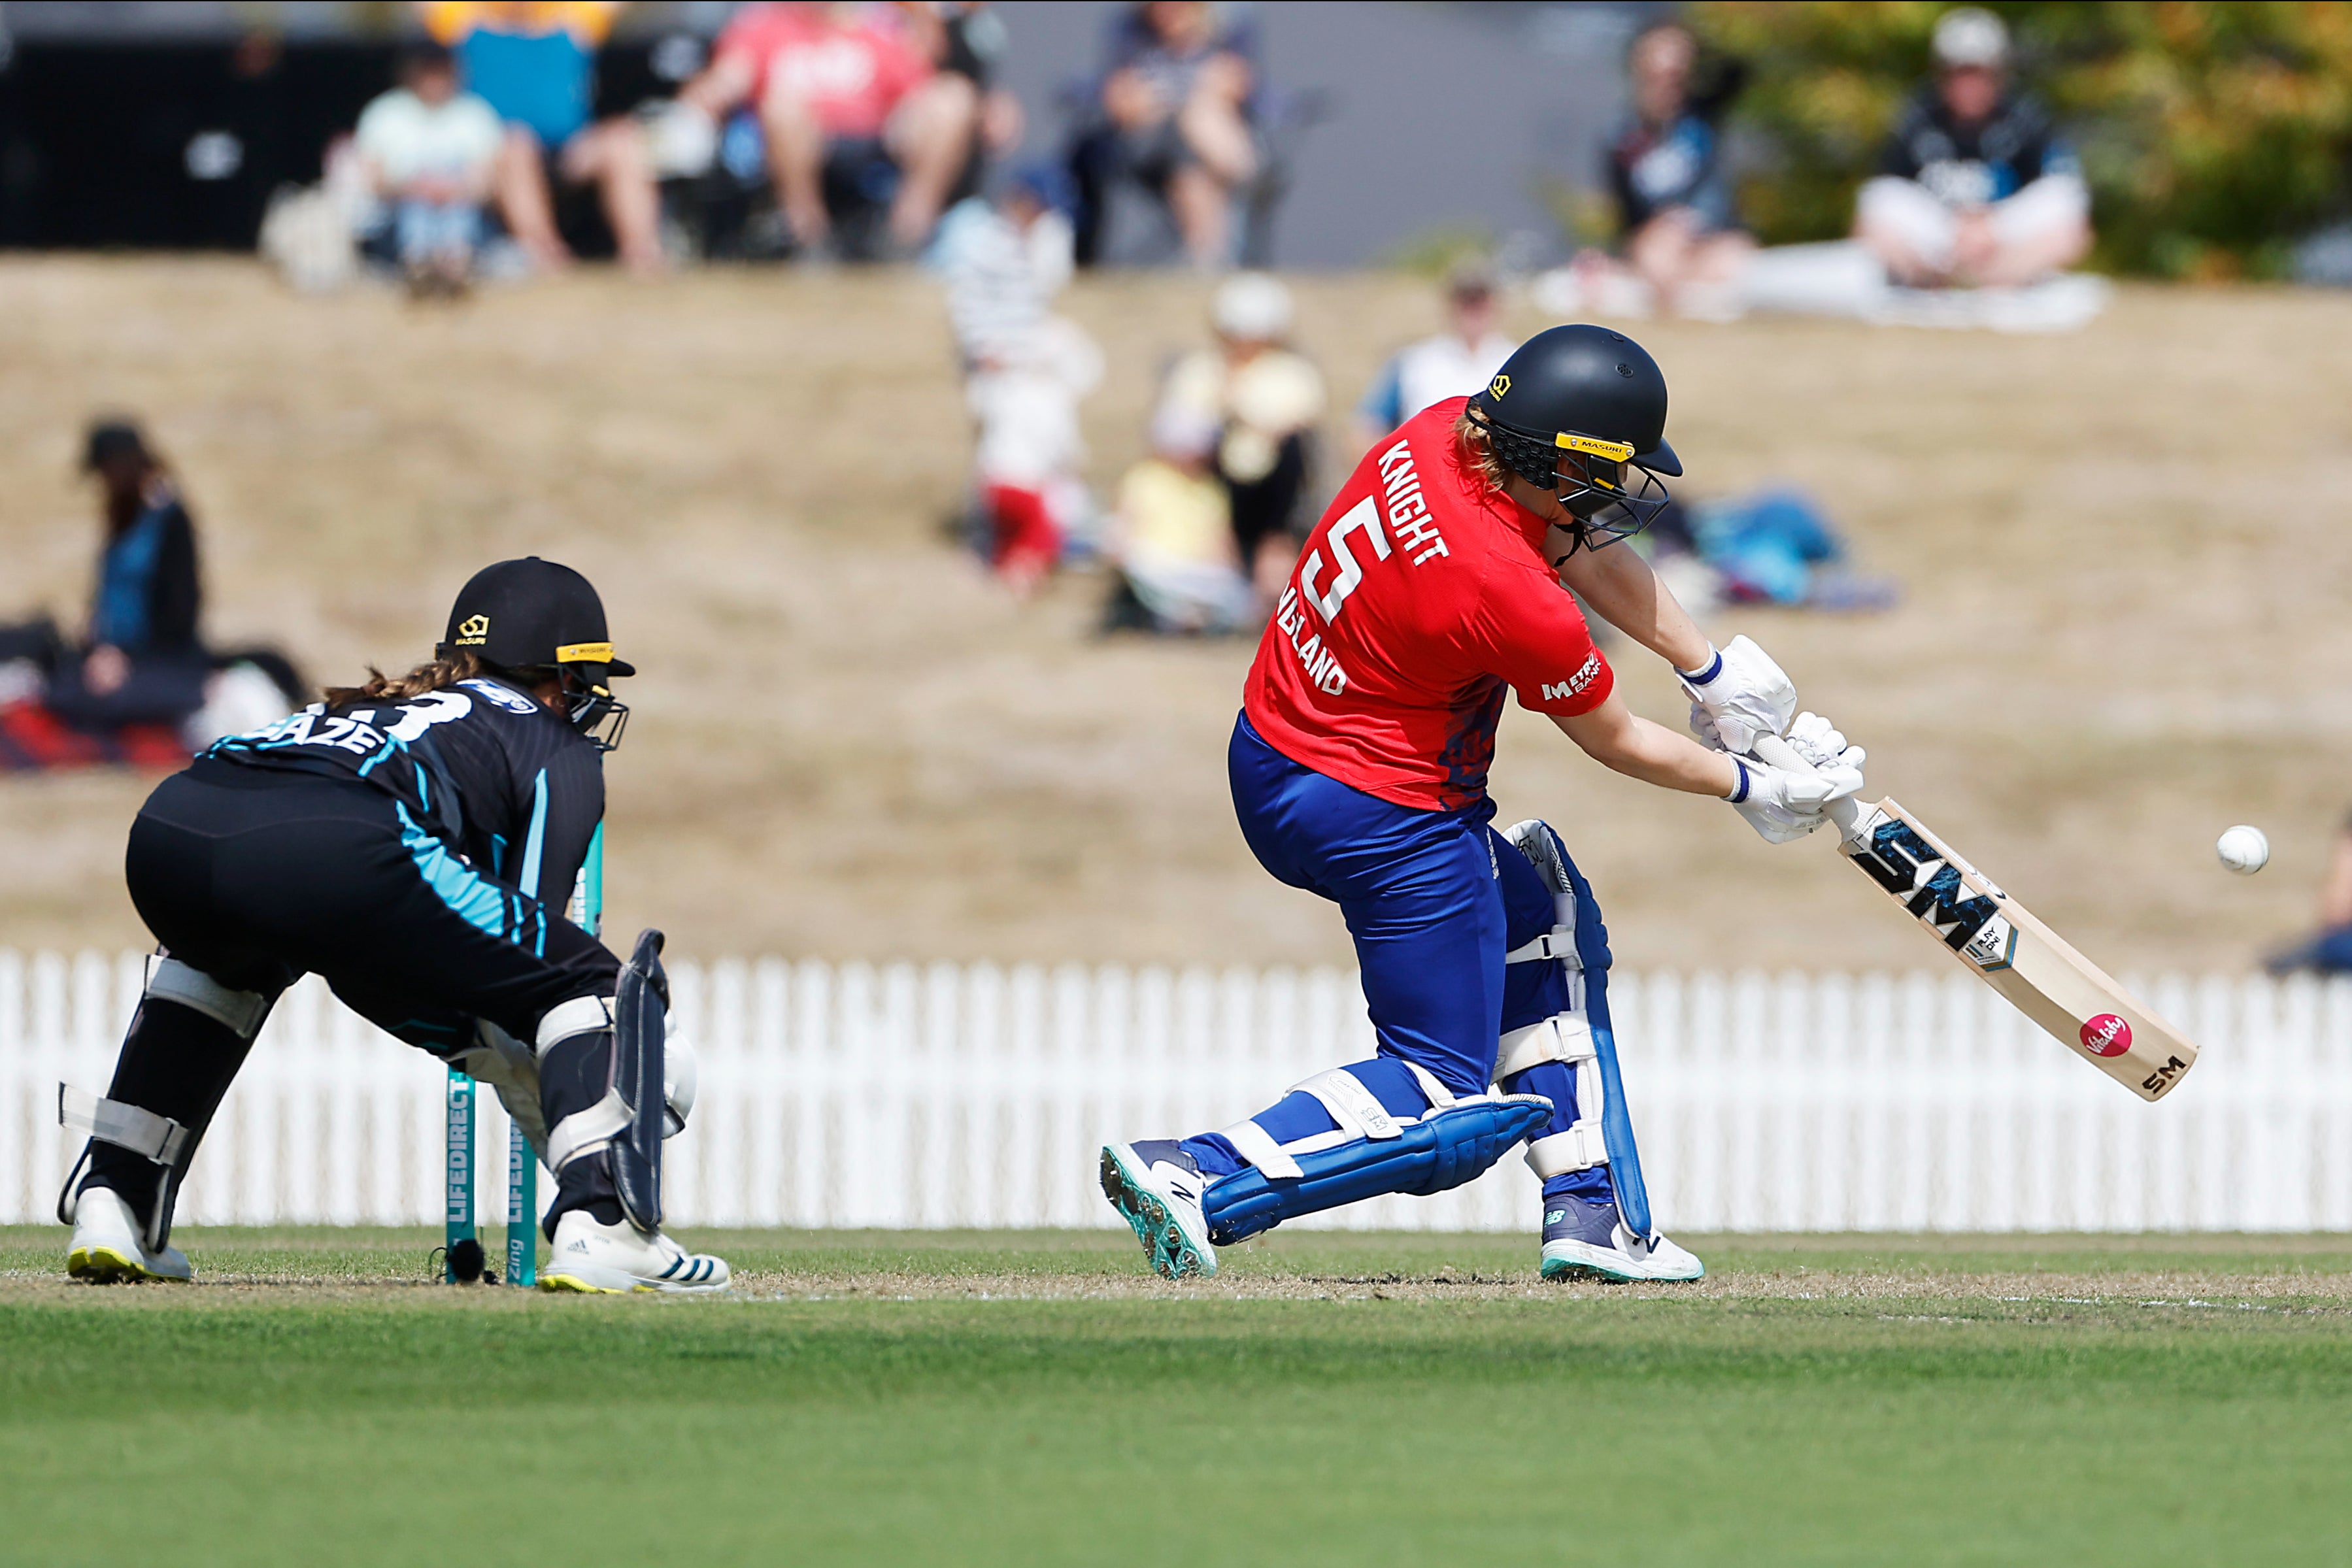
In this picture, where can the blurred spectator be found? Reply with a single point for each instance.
(142, 619)
(856, 109)
(1455, 363)
(2329, 952)
(1173, 118)
(971, 43)
(1171, 538)
(534, 61)
(1668, 171)
(141, 662)
(1025, 368)
(1003, 263)
(431, 153)
(1265, 400)
(1976, 186)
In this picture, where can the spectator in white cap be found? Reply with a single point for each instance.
(1976, 186)
(1265, 399)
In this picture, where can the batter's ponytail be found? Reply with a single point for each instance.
(446, 670)
(1478, 452)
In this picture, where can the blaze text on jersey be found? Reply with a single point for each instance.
(1409, 517)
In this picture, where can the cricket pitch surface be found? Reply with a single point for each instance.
(1037, 1398)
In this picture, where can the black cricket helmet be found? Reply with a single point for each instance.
(1581, 411)
(531, 616)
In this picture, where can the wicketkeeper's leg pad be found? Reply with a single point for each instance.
(186, 1044)
(605, 1090)
(1370, 1150)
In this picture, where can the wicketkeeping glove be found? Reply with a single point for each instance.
(1782, 804)
(1741, 695)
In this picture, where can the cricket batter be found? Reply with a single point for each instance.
(1359, 771)
(414, 840)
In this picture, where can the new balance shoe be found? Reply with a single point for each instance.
(615, 1259)
(109, 1247)
(1157, 1188)
(1589, 1240)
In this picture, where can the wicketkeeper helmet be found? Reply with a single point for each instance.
(532, 614)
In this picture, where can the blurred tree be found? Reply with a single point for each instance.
(2213, 134)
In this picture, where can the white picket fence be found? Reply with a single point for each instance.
(945, 1095)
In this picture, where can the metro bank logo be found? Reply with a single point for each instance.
(1575, 684)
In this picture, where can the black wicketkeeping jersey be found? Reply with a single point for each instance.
(482, 767)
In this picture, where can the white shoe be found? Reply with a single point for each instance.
(614, 1259)
(108, 1247)
(1590, 1240)
(1157, 1188)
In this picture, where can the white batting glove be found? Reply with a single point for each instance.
(1820, 743)
(1741, 695)
(1781, 804)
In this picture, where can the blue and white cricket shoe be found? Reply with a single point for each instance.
(1584, 1240)
(1156, 1187)
(597, 1259)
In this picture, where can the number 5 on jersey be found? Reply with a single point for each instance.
(1362, 517)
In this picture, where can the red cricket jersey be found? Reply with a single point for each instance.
(1421, 594)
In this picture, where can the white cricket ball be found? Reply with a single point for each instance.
(2243, 850)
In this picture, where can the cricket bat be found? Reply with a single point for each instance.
(2079, 1004)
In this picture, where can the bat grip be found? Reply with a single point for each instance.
(1776, 751)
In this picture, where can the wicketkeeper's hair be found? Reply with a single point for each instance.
(443, 672)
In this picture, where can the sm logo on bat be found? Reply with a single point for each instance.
(1904, 863)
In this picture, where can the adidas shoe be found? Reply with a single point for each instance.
(614, 1259)
(1156, 1187)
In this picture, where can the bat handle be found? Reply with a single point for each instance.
(1776, 751)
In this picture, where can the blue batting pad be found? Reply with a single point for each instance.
(1443, 1150)
(1616, 1124)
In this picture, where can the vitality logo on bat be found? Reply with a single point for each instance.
(2106, 1035)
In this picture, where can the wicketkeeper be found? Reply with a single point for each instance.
(414, 840)
(1431, 587)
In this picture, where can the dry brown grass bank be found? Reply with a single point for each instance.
(2124, 554)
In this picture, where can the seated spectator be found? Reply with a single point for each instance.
(142, 663)
(1455, 363)
(431, 153)
(854, 109)
(1171, 538)
(1265, 400)
(1025, 368)
(1668, 171)
(534, 62)
(1174, 118)
(142, 647)
(1976, 187)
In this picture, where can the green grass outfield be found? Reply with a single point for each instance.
(1028, 1398)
